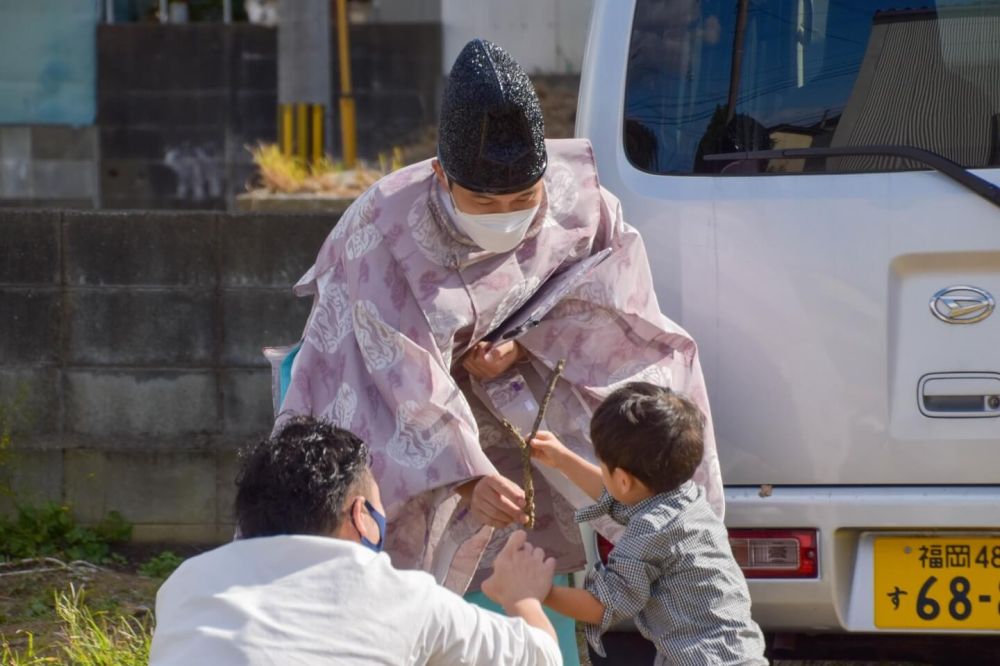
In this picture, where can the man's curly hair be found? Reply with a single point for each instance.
(650, 432)
(296, 482)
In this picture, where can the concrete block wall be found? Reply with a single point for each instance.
(178, 105)
(131, 342)
(52, 162)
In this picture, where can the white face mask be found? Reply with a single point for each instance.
(494, 232)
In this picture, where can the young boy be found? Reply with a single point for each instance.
(672, 569)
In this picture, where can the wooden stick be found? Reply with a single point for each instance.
(549, 390)
(529, 482)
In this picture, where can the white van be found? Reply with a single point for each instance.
(816, 184)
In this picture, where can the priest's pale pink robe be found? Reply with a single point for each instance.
(400, 295)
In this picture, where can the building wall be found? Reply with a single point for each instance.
(178, 105)
(132, 345)
(396, 73)
(545, 36)
(406, 11)
(47, 61)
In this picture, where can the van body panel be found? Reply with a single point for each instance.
(812, 297)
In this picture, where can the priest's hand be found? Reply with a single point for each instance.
(486, 361)
(495, 500)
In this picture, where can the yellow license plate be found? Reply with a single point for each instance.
(926, 582)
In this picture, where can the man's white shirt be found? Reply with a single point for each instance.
(314, 600)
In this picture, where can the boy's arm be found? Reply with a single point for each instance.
(578, 604)
(548, 450)
(586, 475)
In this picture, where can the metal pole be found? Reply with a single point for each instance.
(329, 115)
(348, 126)
(109, 11)
(227, 11)
(164, 16)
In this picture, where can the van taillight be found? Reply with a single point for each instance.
(776, 553)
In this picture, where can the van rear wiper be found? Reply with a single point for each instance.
(960, 175)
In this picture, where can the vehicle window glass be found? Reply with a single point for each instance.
(716, 76)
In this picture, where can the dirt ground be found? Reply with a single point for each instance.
(28, 591)
(27, 598)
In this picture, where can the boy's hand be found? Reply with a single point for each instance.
(548, 450)
(520, 572)
(486, 361)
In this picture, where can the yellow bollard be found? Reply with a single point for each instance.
(317, 133)
(302, 133)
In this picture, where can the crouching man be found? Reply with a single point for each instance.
(307, 582)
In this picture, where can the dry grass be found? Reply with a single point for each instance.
(280, 173)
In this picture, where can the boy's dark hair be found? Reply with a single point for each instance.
(296, 481)
(650, 432)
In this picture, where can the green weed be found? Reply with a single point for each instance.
(162, 565)
(50, 530)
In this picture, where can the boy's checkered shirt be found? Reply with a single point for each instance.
(673, 572)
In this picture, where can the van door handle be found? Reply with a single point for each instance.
(959, 395)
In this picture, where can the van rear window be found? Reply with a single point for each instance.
(720, 76)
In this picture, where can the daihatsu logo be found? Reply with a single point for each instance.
(962, 305)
